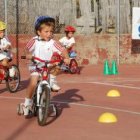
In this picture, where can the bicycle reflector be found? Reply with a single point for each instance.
(45, 75)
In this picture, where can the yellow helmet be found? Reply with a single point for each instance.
(2, 26)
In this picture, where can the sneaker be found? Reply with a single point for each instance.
(12, 72)
(55, 87)
(27, 110)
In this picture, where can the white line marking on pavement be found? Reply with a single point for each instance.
(82, 105)
(115, 85)
(107, 84)
(101, 107)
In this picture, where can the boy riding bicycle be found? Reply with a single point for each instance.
(5, 47)
(42, 47)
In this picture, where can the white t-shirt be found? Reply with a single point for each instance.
(4, 42)
(43, 49)
(67, 42)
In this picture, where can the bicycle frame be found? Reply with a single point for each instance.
(2, 75)
(44, 76)
(44, 81)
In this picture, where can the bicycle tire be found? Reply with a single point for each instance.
(16, 77)
(43, 109)
(73, 67)
(35, 108)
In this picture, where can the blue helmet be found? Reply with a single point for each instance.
(43, 19)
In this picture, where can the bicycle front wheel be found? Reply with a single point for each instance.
(43, 109)
(13, 82)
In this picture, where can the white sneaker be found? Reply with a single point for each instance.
(55, 87)
(12, 72)
(26, 109)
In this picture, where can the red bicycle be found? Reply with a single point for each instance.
(41, 99)
(12, 82)
(73, 67)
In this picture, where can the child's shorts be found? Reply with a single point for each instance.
(35, 72)
(4, 55)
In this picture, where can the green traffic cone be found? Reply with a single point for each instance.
(114, 69)
(106, 68)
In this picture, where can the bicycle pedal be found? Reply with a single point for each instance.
(20, 110)
(30, 115)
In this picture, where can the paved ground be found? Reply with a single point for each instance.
(81, 101)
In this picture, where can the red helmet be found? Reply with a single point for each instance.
(69, 29)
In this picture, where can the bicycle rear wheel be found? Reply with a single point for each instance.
(43, 109)
(74, 67)
(12, 83)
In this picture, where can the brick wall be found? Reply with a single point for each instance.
(93, 49)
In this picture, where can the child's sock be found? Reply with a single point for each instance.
(53, 83)
(28, 102)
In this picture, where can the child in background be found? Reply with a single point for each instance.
(42, 47)
(5, 47)
(68, 41)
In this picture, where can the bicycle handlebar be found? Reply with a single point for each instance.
(45, 62)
